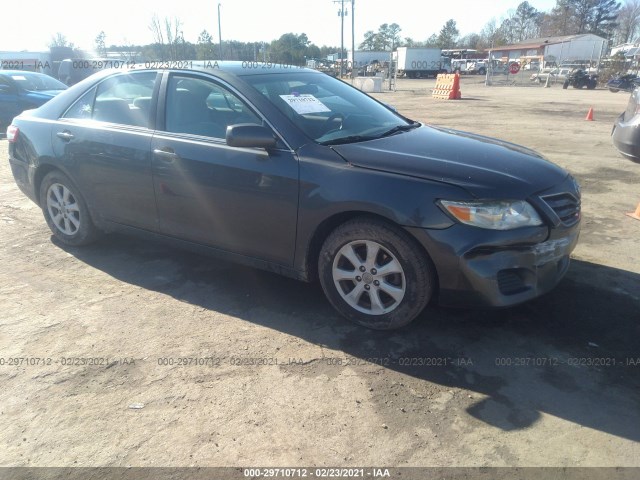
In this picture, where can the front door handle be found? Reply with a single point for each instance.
(65, 135)
(166, 154)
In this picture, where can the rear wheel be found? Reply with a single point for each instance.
(374, 274)
(565, 85)
(65, 210)
(614, 90)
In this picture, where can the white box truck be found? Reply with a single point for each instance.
(421, 62)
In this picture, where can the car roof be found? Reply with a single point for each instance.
(21, 72)
(236, 68)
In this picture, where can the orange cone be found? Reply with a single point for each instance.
(590, 115)
(635, 214)
(455, 90)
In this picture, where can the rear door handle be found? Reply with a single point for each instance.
(166, 154)
(65, 135)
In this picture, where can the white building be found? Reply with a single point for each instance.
(32, 61)
(570, 48)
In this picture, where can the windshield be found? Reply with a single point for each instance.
(36, 81)
(328, 110)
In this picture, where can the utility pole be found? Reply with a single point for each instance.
(353, 39)
(341, 13)
(342, 39)
(220, 32)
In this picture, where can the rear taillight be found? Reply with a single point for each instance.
(12, 133)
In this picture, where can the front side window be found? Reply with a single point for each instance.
(202, 107)
(121, 99)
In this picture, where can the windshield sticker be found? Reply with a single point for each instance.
(18, 77)
(305, 104)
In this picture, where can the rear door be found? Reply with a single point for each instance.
(243, 200)
(104, 140)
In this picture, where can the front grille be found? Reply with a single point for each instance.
(565, 206)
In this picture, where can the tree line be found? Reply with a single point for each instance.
(613, 20)
(616, 21)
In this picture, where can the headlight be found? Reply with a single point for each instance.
(494, 215)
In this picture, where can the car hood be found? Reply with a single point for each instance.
(485, 167)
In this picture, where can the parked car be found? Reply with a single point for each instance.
(21, 91)
(555, 74)
(469, 66)
(626, 129)
(299, 173)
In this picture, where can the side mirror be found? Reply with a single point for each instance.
(250, 135)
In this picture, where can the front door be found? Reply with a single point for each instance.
(242, 200)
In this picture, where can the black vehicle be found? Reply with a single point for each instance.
(626, 83)
(294, 171)
(579, 78)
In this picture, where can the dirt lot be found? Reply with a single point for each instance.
(554, 382)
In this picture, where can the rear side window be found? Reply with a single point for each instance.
(121, 99)
(83, 108)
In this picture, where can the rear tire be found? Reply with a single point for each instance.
(374, 274)
(565, 85)
(614, 90)
(66, 211)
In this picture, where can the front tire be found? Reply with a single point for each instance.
(374, 274)
(66, 211)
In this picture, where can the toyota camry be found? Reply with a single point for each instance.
(293, 171)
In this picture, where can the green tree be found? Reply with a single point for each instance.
(369, 42)
(59, 40)
(393, 34)
(205, 48)
(525, 22)
(604, 18)
(448, 36)
(101, 48)
(469, 41)
(290, 49)
(628, 21)
(383, 39)
(432, 41)
(571, 17)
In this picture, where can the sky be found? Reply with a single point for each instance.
(127, 21)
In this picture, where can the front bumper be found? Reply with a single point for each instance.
(478, 267)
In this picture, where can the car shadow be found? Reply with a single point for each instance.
(573, 353)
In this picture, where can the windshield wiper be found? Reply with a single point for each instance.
(362, 138)
(348, 139)
(399, 128)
